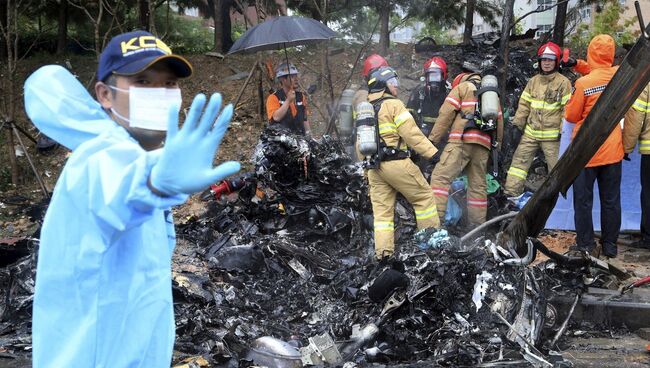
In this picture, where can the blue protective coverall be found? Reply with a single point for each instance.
(103, 282)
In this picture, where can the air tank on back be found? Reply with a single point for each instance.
(366, 129)
(489, 99)
(346, 122)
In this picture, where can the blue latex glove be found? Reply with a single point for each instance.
(185, 165)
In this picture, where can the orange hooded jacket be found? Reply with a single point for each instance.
(600, 57)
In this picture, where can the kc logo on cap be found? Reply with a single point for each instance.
(144, 43)
(133, 52)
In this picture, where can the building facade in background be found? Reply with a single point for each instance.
(543, 21)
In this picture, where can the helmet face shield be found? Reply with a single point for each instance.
(434, 75)
(393, 82)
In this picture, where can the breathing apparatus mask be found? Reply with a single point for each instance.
(435, 80)
(149, 107)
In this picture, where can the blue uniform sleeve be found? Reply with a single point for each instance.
(109, 175)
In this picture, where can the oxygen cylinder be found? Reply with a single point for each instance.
(489, 99)
(366, 129)
(345, 113)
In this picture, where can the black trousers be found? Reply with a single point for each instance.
(609, 187)
(645, 198)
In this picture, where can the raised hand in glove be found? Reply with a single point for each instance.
(570, 63)
(185, 165)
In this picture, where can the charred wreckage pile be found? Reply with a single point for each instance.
(292, 282)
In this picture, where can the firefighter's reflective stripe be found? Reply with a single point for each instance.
(476, 202)
(425, 214)
(384, 226)
(469, 103)
(441, 192)
(454, 102)
(565, 99)
(644, 146)
(542, 134)
(428, 119)
(387, 127)
(477, 136)
(517, 172)
(542, 104)
(641, 106)
(402, 118)
(456, 136)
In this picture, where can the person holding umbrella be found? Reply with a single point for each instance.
(287, 106)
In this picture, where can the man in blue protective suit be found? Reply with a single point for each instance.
(103, 283)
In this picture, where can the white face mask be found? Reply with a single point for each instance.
(149, 107)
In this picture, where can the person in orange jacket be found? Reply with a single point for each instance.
(605, 165)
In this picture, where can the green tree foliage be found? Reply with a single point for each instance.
(607, 21)
(434, 30)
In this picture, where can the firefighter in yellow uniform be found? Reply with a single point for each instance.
(468, 148)
(539, 116)
(395, 172)
(637, 129)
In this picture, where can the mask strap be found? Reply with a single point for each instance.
(118, 89)
(119, 116)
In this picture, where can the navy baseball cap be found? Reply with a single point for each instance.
(133, 52)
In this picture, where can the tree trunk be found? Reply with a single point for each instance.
(62, 39)
(152, 17)
(384, 33)
(3, 19)
(218, 25)
(11, 33)
(469, 22)
(560, 23)
(503, 45)
(98, 22)
(226, 26)
(143, 14)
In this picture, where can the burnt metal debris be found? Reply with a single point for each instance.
(290, 274)
(280, 274)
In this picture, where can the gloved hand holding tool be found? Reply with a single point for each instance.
(185, 165)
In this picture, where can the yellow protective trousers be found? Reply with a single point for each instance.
(455, 158)
(405, 177)
(523, 158)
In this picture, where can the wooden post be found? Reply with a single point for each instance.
(260, 94)
(243, 88)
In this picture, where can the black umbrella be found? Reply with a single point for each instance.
(282, 32)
